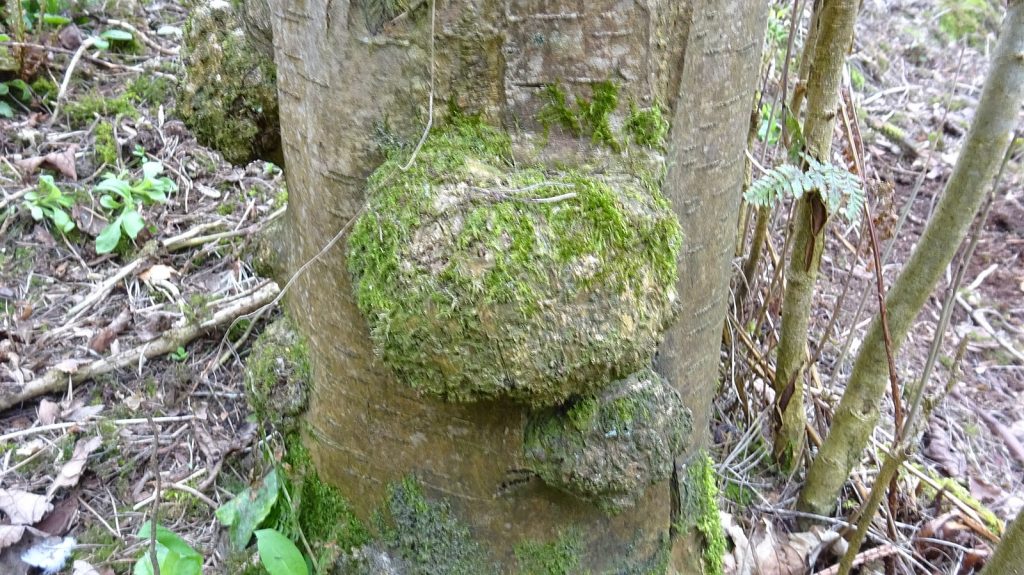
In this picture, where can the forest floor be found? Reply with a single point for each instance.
(139, 346)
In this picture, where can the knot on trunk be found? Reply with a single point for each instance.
(480, 279)
(608, 447)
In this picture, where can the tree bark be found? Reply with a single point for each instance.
(343, 76)
(990, 135)
(1009, 556)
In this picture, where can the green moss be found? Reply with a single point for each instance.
(150, 90)
(856, 78)
(648, 127)
(559, 557)
(590, 117)
(44, 88)
(89, 106)
(105, 147)
(277, 376)
(951, 485)
(699, 502)
(639, 424)
(968, 19)
(237, 113)
(481, 279)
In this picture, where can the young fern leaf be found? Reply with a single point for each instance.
(840, 190)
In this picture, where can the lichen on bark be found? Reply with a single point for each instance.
(481, 279)
(229, 95)
(609, 447)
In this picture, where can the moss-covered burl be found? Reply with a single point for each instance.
(481, 279)
(608, 448)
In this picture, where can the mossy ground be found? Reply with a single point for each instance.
(465, 264)
(277, 376)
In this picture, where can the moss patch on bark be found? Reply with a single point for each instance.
(699, 511)
(277, 377)
(481, 279)
(229, 96)
(609, 447)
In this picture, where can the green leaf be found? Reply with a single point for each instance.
(132, 223)
(112, 183)
(62, 220)
(117, 35)
(109, 237)
(243, 514)
(37, 212)
(101, 44)
(6, 111)
(108, 202)
(4, 89)
(151, 170)
(19, 84)
(56, 20)
(174, 555)
(279, 555)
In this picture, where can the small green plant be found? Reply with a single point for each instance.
(37, 13)
(15, 90)
(123, 197)
(839, 189)
(47, 201)
(174, 555)
(179, 354)
(279, 554)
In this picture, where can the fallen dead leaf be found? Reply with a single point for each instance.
(48, 411)
(63, 162)
(23, 507)
(70, 365)
(103, 338)
(58, 521)
(158, 273)
(82, 568)
(72, 470)
(771, 553)
(10, 534)
(30, 448)
(81, 413)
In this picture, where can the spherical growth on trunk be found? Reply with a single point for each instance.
(607, 448)
(229, 96)
(483, 280)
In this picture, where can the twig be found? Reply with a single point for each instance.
(86, 44)
(70, 424)
(54, 380)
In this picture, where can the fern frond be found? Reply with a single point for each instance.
(840, 190)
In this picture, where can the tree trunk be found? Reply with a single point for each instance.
(990, 135)
(1009, 556)
(350, 72)
(834, 37)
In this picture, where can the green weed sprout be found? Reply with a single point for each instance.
(123, 196)
(49, 202)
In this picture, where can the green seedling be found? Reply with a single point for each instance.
(48, 202)
(123, 197)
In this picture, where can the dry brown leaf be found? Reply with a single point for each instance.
(88, 221)
(63, 162)
(48, 411)
(10, 534)
(769, 553)
(103, 338)
(72, 470)
(158, 273)
(82, 568)
(23, 507)
(70, 365)
(58, 521)
(81, 413)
